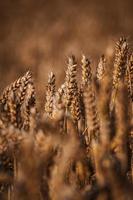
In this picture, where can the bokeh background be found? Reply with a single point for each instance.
(40, 34)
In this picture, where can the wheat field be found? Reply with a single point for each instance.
(79, 145)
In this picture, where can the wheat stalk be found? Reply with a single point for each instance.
(91, 115)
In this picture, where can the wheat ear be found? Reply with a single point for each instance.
(50, 93)
(121, 55)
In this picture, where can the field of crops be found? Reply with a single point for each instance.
(79, 145)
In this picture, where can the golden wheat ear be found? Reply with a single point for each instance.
(28, 104)
(121, 55)
(12, 87)
(12, 96)
(22, 89)
(120, 66)
(100, 71)
(50, 95)
(70, 80)
(70, 83)
(12, 106)
(86, 71)
(75, 104)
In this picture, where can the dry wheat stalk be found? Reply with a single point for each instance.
(91, 115)
(70, 83)
(121, 55)
(122, 126)
(86, 79)
(104, 111)
(101, 147)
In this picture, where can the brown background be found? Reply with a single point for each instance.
(39, 34)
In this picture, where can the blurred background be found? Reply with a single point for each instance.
(38, 35)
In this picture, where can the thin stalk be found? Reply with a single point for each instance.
(65, 120)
